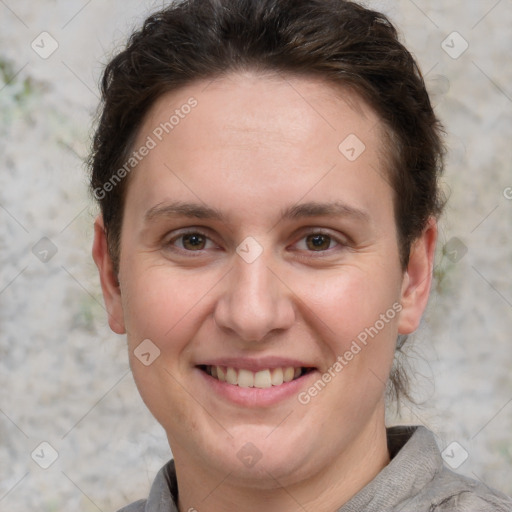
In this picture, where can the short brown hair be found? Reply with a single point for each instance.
(337, 40)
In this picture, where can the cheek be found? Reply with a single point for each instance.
(349, 302)
(355, 313)
(165, 306)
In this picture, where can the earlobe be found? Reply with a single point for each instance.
(108, 278)
(418, 279)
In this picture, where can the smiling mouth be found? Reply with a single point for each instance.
(261, 379)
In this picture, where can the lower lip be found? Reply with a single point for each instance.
(256, 397)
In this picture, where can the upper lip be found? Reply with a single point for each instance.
(255, 365)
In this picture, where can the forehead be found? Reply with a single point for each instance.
(287, 106)
(251, 132)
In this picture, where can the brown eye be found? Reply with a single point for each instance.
(193, 242)
(318, 242)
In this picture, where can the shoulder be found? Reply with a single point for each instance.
(162, 494)
(420, 480)
(452, 492)
(137, 506)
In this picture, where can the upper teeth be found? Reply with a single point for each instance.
(248, 379)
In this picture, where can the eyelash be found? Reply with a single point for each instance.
(340, 244)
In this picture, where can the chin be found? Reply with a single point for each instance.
(256, 457)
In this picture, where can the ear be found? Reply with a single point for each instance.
(418, 279)
(108, 278)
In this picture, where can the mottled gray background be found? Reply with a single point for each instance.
(64, 375)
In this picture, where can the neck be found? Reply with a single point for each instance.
(203, 490)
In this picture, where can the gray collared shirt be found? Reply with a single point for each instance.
(416, 480)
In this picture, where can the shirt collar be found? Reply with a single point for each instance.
(415, 461)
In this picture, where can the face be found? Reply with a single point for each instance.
(259, 256)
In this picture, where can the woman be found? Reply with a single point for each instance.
(267, 173)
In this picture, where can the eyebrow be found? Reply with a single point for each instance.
(298, 211)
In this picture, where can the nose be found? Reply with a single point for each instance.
(254, 302)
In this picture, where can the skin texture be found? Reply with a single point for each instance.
(254, 146)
